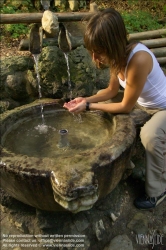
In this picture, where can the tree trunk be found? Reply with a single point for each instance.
(161, 60)
(36, 17)
(159, 52)
(147, 35)
(154, 43)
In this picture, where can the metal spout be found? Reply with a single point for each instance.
(45, 4)
(64, 40)
(36, 39)
(63, 138)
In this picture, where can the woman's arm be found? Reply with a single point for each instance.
(137, 72)
(108, 93)
(104, 95)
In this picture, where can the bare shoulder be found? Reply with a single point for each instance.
(141, 61)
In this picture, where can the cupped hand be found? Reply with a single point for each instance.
(77, 100)
(76, 106)
(69, 105)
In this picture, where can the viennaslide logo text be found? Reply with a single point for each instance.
(152, 239)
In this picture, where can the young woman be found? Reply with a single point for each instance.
(135, 68)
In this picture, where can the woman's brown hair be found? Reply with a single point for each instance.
(106, 33)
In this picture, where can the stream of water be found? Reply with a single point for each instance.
(77, 117)
(68, 73)
(42, 127)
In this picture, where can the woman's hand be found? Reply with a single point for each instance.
(73, 105)
(76, 106)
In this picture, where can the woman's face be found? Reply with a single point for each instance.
(99, 57)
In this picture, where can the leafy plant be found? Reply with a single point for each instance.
(9, 9)
(16, 30)
(164, 9)
(138, 21)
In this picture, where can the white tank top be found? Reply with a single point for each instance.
(153, 94)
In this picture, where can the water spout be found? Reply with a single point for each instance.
(63, 138)
(64, 40)
(45, 4)
(36, 39)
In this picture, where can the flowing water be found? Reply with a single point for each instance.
(41, 127)
(68, 73)
(78, 116)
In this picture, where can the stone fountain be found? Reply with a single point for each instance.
(71, 182)
(74, 179)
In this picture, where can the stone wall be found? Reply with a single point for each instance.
(19, 83)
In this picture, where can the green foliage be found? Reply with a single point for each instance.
(16, 6)
(164, 9)
(15, 30)
(9, 9)
(131, 2)
(138, 21)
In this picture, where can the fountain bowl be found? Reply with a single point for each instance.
(68, 181)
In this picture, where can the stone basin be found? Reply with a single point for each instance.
(73, 178)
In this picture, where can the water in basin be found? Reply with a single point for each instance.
(30, 137)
